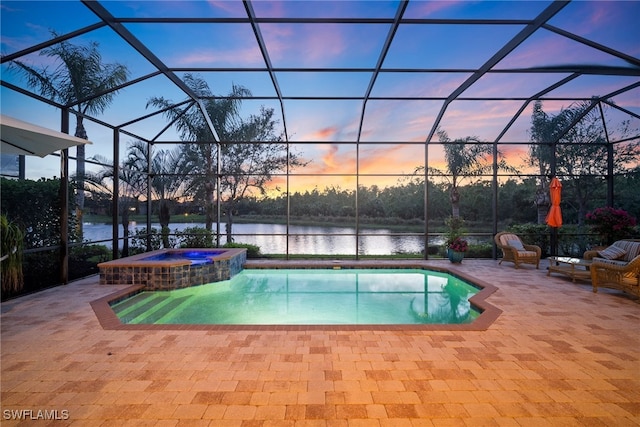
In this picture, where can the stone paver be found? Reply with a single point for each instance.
(557, 355)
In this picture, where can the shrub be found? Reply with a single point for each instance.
(195, 237)
(84, 260)
(253, 251)
(139, 241)
(611, 224)
(41, 270)
(480, 250)
(12, 245)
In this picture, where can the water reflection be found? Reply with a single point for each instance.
(272, 238)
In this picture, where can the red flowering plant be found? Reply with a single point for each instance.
(459, 245)
(611, 224)
(455, 230)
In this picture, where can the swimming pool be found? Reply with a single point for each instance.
(310, 297)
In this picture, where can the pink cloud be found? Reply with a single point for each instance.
(324, 133)
(514, 153)
(429, 8)
(269, 9)
(329, 159)
(225, 5)
(395, 159)
(16, 44)
(400, 120)
(247, 56)
(601, 15)
(315, 45)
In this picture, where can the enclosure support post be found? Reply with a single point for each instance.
(494, 201)
(116, 194)
(64, 202)
(218, 192)
(22, 167)
(356, 201)
(149, 182)
(426, 201)
(288, 202)
(609, 176)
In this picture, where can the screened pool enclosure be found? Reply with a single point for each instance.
(326, 128)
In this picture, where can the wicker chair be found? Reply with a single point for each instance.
(621, 273)
(515, 251)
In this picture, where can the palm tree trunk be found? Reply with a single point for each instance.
(125, 229)
(542, 203)
(80, 172)
(229, 223)
(454, 197)
(164, 217)
(209, 205)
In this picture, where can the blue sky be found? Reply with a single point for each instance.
(449, 51)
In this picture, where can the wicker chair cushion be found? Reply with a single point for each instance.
(527, 254)
(612, 252)
(516, 244)
(632, 248)
(614, 262)
(504, 239)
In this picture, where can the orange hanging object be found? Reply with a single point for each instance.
(554, 217)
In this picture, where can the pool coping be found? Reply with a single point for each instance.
(110, 321)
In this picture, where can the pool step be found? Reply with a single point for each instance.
(161, 310)
(128, 311)
(147, 308)
(125, 305)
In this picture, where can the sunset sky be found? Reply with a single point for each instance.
(324, 69)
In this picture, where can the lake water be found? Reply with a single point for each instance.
(313, 240)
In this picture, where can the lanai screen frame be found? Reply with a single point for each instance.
(530, 26)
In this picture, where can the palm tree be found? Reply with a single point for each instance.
(243, 165)
(132, 185)
(466, 158)
(76, 81)
(544, 129)
(200, 158)
(166, 182)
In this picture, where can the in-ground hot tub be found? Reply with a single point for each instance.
(166, 269)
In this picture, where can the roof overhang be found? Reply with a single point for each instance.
(24, 138)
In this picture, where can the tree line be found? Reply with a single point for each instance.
(404, 202)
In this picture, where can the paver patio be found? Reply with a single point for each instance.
(558, 355)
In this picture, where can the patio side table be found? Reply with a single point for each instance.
(576, 268)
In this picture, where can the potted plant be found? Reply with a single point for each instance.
(456, 245)
(11, 256)
(456, 249)
(611, 224)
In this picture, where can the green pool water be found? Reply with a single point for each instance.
(310, 297)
